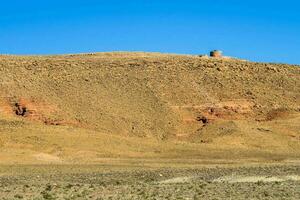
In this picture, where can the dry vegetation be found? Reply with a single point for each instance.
(148, 126)
(107, 182)
(83, 108)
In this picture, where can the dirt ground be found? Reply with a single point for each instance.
(74, 109)
(247, 181)
(156, 95)
(148, 126)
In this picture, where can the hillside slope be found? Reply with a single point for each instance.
(169, 104)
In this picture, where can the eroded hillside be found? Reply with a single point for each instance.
(222, 103)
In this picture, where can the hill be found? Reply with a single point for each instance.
(86, 107)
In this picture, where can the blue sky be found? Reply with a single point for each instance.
(256, 30)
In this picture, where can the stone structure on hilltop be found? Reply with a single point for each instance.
(216, 54)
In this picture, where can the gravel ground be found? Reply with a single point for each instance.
(86, 182)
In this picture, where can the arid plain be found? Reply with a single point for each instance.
(148, 126)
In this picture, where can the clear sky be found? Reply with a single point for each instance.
(256, 30)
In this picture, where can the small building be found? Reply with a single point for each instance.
(216, 54)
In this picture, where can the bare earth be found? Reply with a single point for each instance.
(115, 182)
(148, 126)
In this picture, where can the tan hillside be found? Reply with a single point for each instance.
(83, 108)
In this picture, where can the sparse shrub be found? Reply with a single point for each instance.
(18, 196)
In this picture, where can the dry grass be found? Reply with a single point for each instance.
(83, 108)
(98, 182)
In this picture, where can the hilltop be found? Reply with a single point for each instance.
(86, 107)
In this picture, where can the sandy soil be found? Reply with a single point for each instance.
(148, 126)
(114, 182)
